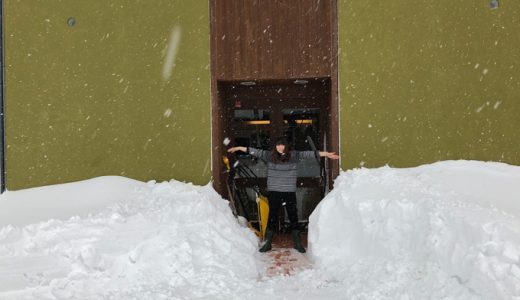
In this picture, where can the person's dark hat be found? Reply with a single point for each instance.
(282, 141)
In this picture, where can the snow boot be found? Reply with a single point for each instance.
(297, 241)
(268, 240)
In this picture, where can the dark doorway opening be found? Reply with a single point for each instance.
(255, 113)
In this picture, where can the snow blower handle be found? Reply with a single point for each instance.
(225, 159)
(313, 148)
(323, 176)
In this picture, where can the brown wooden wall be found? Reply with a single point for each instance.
(273, 39)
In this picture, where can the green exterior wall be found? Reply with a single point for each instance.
(423, 81)
(419, 82)
(92, 99)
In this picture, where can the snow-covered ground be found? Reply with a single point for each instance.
(450, 230)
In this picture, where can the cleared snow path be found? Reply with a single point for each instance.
(285, 261)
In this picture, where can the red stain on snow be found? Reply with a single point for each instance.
(284, 260)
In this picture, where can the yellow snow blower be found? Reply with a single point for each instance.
(263, 214)
(262, 203)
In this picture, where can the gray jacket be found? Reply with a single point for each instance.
(281, 177)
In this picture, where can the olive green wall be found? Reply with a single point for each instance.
(422, 81)
(419, 82)
(94, 99)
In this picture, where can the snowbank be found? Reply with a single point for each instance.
(425, 232)
(62, 201)
(166, 240)
(449, 230)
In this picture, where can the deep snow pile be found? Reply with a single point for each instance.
(449, 230)
(169, 239)
(62, 201)
(426, 232)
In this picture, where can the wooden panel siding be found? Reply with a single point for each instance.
(273, 39)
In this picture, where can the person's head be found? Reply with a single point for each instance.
(281, 151)
(282, 145)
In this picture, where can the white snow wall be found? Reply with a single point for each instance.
(435, 219)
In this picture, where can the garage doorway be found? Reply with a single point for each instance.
(274, 73)
(256, 113)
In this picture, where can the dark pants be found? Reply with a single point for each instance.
(276, 199)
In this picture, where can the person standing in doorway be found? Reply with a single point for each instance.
(281, 185)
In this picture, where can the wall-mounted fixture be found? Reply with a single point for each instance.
(301, 81)
(300, 122)
(493, 4)
(248, 83)
(267, 122)
(258, 122)
(71, 21)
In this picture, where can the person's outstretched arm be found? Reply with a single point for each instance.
(311, 154)
(235, 149)
(253, 151)
(330, 155)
